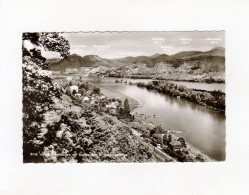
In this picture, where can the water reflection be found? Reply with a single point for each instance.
(217, 115)
(202, 127)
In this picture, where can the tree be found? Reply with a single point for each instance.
(169, 138)
(156, 83)
(217, 93)
(96, 90)
(49, 41)
(84, 85)
(55, 42)
(182, 140)
(38, 88)
(126, 106)
(152, 132)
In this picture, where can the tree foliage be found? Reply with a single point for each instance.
(126, 106)
(38, 88)
(55, 42)
(48, 41)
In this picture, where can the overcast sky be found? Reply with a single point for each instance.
(122, 44)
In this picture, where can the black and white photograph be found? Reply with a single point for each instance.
(123, 96)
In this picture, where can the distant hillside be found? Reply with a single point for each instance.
(76, 61)
(50, 61)
(185, 54)
(217, 51)
(212, 60)
(216, 55)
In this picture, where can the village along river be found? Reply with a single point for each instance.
(202, 127)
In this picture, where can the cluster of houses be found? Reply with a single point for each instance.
(97, 100)
(162, 139)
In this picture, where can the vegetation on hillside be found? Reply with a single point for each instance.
(38, 88)
(74, 122)
(180, 65)
(56, 128)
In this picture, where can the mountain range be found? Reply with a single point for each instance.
(213, 59)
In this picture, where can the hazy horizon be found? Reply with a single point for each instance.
(121, 44)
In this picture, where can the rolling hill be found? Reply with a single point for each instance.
(76, 61)
(212, 60)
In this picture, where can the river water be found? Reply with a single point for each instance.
(202, 127)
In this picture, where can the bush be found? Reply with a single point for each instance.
(96, 90)
(84, 85)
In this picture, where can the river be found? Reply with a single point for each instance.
(188, 84)
(202, 127)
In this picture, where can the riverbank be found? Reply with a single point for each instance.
(164, 146)
(79, 124)
(171, 145)
(206, 80)
(212, 99)
(73, 121)
(173, 114)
